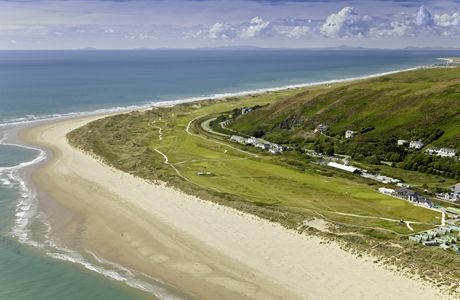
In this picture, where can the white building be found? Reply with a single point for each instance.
(349, 134)
(386, 191)
(443, 152)
(400, 184)
(253, 140)
(262, 145)
(322, 128)
(345, 168)
(453, 195)
(416, 145)
(447, 152)
(238, 139)
(401, 142)
(246, 110)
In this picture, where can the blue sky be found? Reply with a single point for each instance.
(128, 24)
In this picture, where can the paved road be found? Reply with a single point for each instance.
(205, 126)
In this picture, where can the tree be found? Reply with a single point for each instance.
(395, 157)
(330, 151)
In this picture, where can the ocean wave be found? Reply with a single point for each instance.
(26, 209)
(115, 272)
(41, 156)
(32, 119)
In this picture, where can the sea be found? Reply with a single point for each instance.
(40, 86)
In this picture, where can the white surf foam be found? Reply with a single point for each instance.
(114, 272)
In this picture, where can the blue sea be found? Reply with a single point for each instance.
(38, 86)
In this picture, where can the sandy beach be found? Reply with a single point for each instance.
(201, 248)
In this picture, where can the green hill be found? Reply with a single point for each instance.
(421, 105)
(408, 105)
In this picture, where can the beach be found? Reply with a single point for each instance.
(205, 250)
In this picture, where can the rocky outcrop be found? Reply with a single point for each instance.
(292, 122)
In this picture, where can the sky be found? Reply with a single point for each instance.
(131, 24)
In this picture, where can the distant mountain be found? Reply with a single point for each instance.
(345, 47)
(232, 48)
(88, 48)
(431, 48)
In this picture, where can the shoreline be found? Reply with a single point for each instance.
(207, 250)
(25, 123)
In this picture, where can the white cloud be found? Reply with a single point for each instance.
(258, 28)
(346, 23)
(146, 37)
(447, 20)
(299, 32)
(13, 42)
(163, 23)
(423, 17)
(222, 31)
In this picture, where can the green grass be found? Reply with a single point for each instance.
(416, 178)
(128, 143)
(286, 188)
(395, 104)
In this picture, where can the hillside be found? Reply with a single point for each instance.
(422, 105)
(406, 106)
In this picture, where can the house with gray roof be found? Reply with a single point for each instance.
(238, 139)
(413, 197)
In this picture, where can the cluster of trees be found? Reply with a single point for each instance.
(386, 149)
(444, 166)
(366, 149)
(426, 135)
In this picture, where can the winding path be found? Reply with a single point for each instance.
(386, 219)
(224, 144)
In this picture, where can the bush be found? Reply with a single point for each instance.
(366, 129)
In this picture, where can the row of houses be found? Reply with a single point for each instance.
(443, 152)
(258, 143)
(452, 195)
(408, 195)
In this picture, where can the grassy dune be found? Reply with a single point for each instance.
(287, 188)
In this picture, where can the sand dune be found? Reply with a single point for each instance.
(207, 250)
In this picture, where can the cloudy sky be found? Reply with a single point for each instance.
(128, 24)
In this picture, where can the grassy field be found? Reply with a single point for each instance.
(257, 178)
(286, 188)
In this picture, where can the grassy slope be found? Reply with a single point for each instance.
(272, 188)
(396, 105)
(129, 141)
